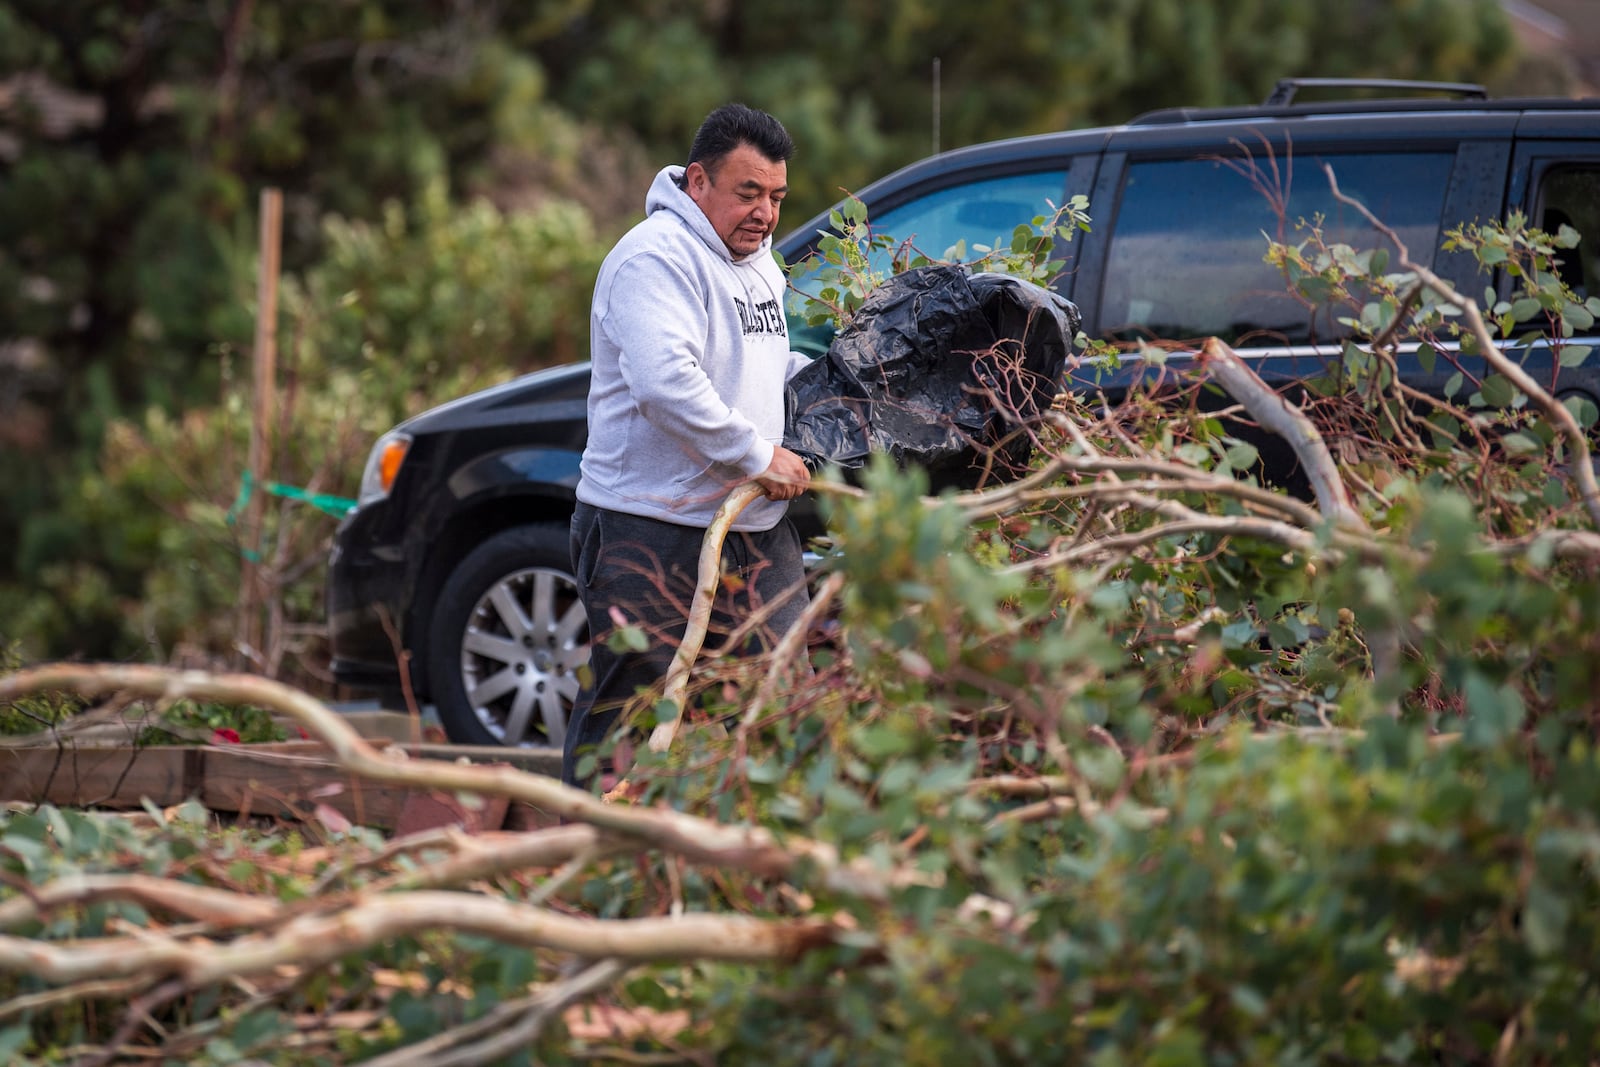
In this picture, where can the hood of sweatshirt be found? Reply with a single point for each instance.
(667, 194)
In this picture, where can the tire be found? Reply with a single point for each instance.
(506, 641)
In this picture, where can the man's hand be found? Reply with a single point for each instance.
(786, 477)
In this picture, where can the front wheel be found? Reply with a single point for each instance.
(506, 641)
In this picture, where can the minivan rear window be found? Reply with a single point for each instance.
(1570, 196)
(1186, 254)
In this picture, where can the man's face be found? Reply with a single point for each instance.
(742, 199)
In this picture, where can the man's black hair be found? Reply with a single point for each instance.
(732, 125)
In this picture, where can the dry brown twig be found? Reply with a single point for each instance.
(1558, 414)
(508, 1027)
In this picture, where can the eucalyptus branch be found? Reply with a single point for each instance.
(699, 840)
(1223, 365)
(507, 1027)
(479, 856)
(215, 907)
(1558, 414)
(1109, 491)
(316, 939)
(79, 992)
(694, 634)
(1561, 544)
(1054, 806)
(1011, 785)
(791, 646)
(991, 502)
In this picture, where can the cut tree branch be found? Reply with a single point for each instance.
(313, 940)
(694, 634)
(699, 840)
(1558, 414)
(1223, 365)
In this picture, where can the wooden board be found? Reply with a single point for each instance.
(283, 780)
(110, 777)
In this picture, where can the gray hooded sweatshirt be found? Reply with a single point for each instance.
(690, 355)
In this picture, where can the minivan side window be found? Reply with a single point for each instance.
(977, 213)
(1186, 255)
(982, 212)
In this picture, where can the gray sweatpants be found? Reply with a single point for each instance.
(645, 569)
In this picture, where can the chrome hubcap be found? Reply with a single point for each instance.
(525, 640)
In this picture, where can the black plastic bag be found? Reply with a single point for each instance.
(936, 368)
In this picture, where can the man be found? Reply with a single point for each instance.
(690, 355)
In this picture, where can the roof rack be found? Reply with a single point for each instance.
(1284, 92)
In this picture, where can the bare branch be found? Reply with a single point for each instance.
(1223, 365)
(480, 856)
(312, 940)
(699, 840)
(792, 645)
(217, 907)
(694, 634)
(1561, 418)
(508, 1027)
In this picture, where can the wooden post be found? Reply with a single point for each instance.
(252, 590)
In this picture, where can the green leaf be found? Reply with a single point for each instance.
(1249, 1001)
(765, 772)
(881, 740)
(1526, 308)
(1494, 712)
(628, 639)
(1377, 316)
(1153, 355)
(1242, 456)
(1521, 444)
(1583, 409)
(13, 1039)
(1544, 920)
(1497, 391)
(1574, 355)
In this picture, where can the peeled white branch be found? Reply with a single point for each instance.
(699, 840)
(1223, 365)
(478, 856)
(1179, 478)
(310, 941)
(198, 903)
(694, 634)
(507, 1028)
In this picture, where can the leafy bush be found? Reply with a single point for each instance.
(395, 319)
(1132, 762)
(35, 713)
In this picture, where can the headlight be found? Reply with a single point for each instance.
(383, 466)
